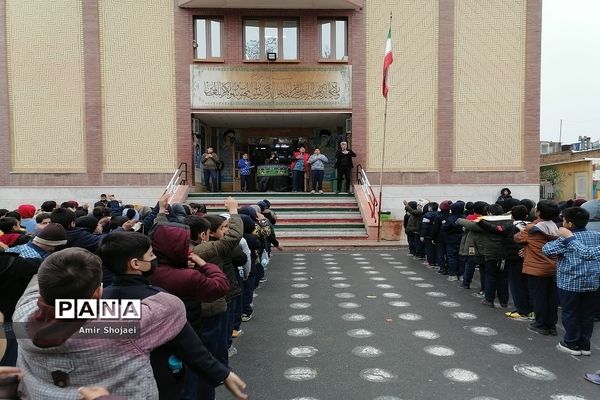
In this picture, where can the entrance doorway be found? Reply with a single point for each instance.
(270, 141)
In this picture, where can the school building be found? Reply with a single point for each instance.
(103, 96)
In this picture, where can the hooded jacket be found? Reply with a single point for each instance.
(450, 231)
(533, 238)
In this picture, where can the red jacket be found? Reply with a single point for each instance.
(296, 155)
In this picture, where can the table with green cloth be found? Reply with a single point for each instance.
(274, 177)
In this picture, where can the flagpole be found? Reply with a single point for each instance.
(382, 157)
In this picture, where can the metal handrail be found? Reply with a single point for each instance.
(362, 178)
(176, 178)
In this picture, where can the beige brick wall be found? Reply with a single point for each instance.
(137, 55)
(44, 60)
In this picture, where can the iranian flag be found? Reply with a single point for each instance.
(388, 59)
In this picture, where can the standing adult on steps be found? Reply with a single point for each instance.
(210, 162)
(298, 167)
(343, 165)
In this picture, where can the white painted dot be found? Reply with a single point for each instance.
(372, 272)
(566, 397)
(348, 304)
(331, 263)
(391, 295)
(299, 273)
(351, 317)
(387, 398)
(483, 330)
(305, 398)
(335, 272)
(429, 335)
(329, 259)
(461, 375)
(337, 278)
(384, 286)
(385, 255)
(359, 258)
(345, 295)
(436, 294)
(424, 285)
(534, 372)
(415, 278)
(356, 254)
(300, 278)
(506, 348)
(327, 255)
(410, 317)
(359, 333)
(300, 318)
(399, 303)
(300, 296)
(377, 375)
(300, 332)
(389, 258)
(408, 272)
(299, 306)
(298, 268)
(400, 267)
(464, 315)
(367, 351)
(366, 267)
(300, 374)
(300, 285)
(449, 304)
(484, 398)
(299, 255)
(299, 263)
(378, 278)
(302, 351)
(440, 351)
(395, 262)
(363, 262)
(332, 268)
(341, 285)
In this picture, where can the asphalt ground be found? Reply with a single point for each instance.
(379, 325)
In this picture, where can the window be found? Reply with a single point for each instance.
(270, 36)
(334, 39)
(208, 38)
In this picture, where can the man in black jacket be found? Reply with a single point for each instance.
(343, 165)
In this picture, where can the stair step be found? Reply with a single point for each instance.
(280, 210)
(317, 226)
(264, 195)
(316, 234)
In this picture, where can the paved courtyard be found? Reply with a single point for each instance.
(378, 325)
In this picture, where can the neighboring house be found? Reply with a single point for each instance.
(569, 175)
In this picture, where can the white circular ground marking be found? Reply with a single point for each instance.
(534, 372)
(300, 318)
(332, 268)
(410, 317)
(429, 335)
(300, 332)
(464, 315)
(460, 375)
(384, 286)
(378, 278)
(337, 278)
(356, 254)
(399, 303)
(299, 263)
(300, 306)
(299, 255)
(300, 278)
(385, 255)
(331, 263)
(483, 331)
(366, 351)
(366, 267)
(300, 374)
(335, 272)
(377, 375)
(566, 397)
(395, 262)
(299, 273)
(363, 262)
(298, 268)
(408, 272)
(440, 351)
(506, 348)
(348, 304)
(387, 398)
(300, 296)
(400, 267)
(391, 295)
(415, 278)
(484, 398)
(341, 285)
(424, 285)
(299, 259)
(327, 255)
(389, 258)
(351, 317)
(302, 351)
(372, 272)
(359, 258)
(300, 285)
(449, 304)
(359, 333)
(345, 295)
(436, 294)
(329, 259)
(305, 398)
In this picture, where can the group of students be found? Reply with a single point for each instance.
(194, 274)
(540, 254)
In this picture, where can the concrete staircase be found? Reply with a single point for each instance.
(303, 220)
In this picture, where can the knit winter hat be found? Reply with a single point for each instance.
(576, 202)
(262, 205)
(422, 202)
(445, 205)
(88, 222)
(267, 203)
(53, 234)
(26, 210)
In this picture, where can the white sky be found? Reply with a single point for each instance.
(570, 70)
